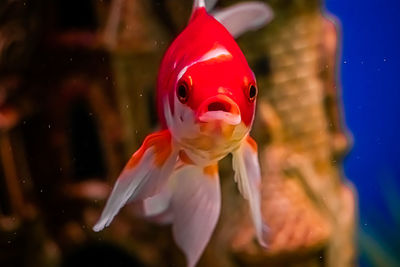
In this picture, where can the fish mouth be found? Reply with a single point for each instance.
(219, 108)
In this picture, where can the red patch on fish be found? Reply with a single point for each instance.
(161, 144)
(207, 71)
(252, 143)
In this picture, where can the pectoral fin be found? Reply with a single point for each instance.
(144, 175)
(248, 177)
(195, 204)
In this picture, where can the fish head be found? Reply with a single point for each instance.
(205, 85)
(218, 87)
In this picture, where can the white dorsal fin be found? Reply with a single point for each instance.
(198, 3)
(244, 17)
(207, 4)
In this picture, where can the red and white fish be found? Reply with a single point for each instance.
(206, 102)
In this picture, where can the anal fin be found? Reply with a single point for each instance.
(195, 205)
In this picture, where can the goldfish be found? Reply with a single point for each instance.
(206, 100)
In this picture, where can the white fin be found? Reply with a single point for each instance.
(157, 204)
(144, 175)
(248, 177)
(207, 4)
(195, 203)
(244, 17)
(157, 208)
(198, 4)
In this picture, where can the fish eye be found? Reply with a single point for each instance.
(252, 93)
(182, 92)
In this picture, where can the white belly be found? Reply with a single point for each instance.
(212, 142)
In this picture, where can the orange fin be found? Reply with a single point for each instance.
(144, 175)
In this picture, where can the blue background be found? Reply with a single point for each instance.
(370, 64)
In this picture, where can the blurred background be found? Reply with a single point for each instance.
(77, 85)
(369, 65)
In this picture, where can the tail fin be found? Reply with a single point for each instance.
(244, 17)
(238, 18)
(195, 205)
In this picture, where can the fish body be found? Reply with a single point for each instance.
(206, 97)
